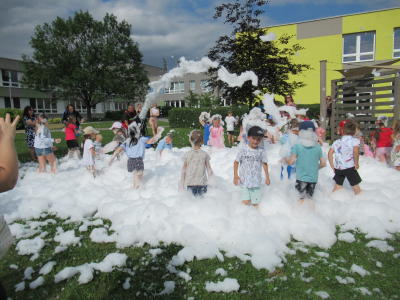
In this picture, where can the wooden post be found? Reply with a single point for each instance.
(333, 106)
(322, 91)
(396, 104)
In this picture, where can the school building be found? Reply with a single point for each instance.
(345, 43)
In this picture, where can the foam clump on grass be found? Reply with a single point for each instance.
(323, 295)
(346, 237)
(169, 287)
(46, 269)
(28, 273)
(345, 281)
(226, 286)
(363, 291)
(20, 286)
(359, 270)
(221, 272)
(381, 245)
(38, 282)
(67, 238)
(26, 247)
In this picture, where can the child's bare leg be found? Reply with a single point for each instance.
(52, 160)
(42, 164)
(137, 179)
(300, 201)
(337, 187)
(398, 168)
(255, 205)
(69, 153)
(356, 189)
(387, 158)
(382, 158)
(311, 202)
(246, 202)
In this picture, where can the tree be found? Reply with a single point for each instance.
(243, 51)
(202, 100)
(83, 59)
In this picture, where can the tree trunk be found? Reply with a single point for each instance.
(89, 110)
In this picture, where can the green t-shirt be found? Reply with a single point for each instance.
(307, 162)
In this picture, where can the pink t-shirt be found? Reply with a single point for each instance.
(319, 131)
(215, 136)
(69, 132)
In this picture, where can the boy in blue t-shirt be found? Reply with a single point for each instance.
(205, 122)
(308, 154)
(165, 143)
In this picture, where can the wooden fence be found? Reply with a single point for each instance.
(366, 97)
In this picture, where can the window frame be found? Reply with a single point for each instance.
(205, 88)
(180, 90)
(358, 48)
(396, 50)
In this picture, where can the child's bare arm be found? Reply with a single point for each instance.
(236, 177)
(265, 167)
(155, 138)
(92, 151)
(291, 160)
(356, 155)
(183, 176)
(330, 157)
(116, 152)
(322, 163)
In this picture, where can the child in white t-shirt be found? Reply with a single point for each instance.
(251, 159)
(347, 152)
(88, 149)
(230, 123)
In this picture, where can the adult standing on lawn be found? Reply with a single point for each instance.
(29, 123)
(70, 111)
(139, 109)
(154, 114)
(288, 102)
(128, 116)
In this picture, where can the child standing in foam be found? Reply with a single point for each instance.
(135, 147)
(165, 143)
(250, 160)
(44, 144)
(320, 132)
(347, 151)
(217, 133)
(230, 123)
(292, 137)
(382, 137)
(70, 137)
(88, 149)
(196, 165)
(308, 154)
(395, 154)
(359, 136)
(204, 120)
(97, 144)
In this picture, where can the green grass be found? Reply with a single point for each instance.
(151, 273)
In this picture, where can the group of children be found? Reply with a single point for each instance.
(301, 142)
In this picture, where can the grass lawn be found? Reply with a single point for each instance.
(304, 273)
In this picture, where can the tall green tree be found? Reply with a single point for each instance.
(202, 100)
(243, 51)
(80, 58)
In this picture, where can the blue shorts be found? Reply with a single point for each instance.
(198, 189)
(252, 194)
(135, 164)
(43, 151)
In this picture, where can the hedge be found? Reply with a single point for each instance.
(114, 115)
(188, 117)
(164, 110)
(13, 113)
(313, 110)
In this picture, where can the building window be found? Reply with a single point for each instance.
(7, 102)
(16, 103)
(7, 75)
(396, 43)
(204, 86)
(192, 85)
(176, 87)
(32, 103)
(359, 47)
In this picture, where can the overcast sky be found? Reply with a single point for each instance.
(163, 28)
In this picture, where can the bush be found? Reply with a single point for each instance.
(313, 110)
(55, 120)
(13, 113)
(188, 117)
(164, 111)
(113, 115)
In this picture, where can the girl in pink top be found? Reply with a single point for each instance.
(70, 137)
(217, 133)
(320, 132)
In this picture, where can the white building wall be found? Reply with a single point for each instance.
(61, 106)
(24, 102)
(99, 108)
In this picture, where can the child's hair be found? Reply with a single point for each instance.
(38, 121)
(349, 128)
(196, 137)
(271, 122)
(132, 135)
(396, 127)
(26, 112)
(98, 135)
(230, 112)
(377, 131)
(358, 125)
(70, 120)
(216, 118)
(169, 135)
(318, 123)
(294, 123)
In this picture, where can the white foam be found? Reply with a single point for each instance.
(38, 282)
(226, 286)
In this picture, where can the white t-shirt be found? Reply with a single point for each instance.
(343, 147)
(154, 111)
(196, 167)
(250, 167)
(230, 121)
(87, 159)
